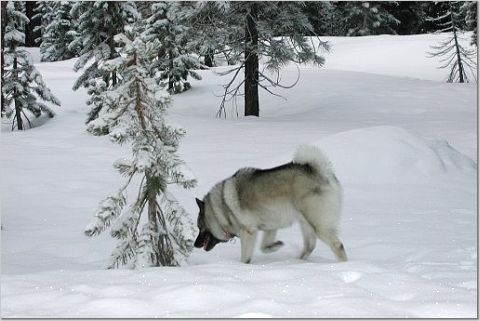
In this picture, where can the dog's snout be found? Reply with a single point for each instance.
(200, 240)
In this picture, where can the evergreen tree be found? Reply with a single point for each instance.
(3, 11)
(431, 9)
(273, 30)
(368, 18)
(325, 17)
(144, 8)
(22, 84)
(135, 113)
(59, 34)
(97, 23)
(337, 18)
(174, 62)
(209, 34)
(454, 56)
(44, 15)
(469, 9)
(31, 28)
(411, 15)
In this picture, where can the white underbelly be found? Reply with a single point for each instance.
(277, 216)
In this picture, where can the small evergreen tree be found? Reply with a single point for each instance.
(58, 34)
(368, 18)
(135, 113)
(174, 61)
(22, 84)
(97, 24)
(453, 55)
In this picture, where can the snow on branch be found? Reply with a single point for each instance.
(108, 209)
(134, 112)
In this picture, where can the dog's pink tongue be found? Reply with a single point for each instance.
(205, 243)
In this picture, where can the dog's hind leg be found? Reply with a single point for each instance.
(309, 239)
(330, 237)
(269, 244)
(247, 239)
(322, 213)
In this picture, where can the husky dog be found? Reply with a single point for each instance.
(304, 190)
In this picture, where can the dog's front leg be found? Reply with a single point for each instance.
(247, 239)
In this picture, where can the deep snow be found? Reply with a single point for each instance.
(403, 148)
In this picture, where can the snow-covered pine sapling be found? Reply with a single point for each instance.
(453, 55)
(22, 85)
(154, 230)
(97, 24)
(174, 63)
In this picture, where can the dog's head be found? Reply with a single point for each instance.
(210, 232)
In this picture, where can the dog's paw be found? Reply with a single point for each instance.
(272, 247)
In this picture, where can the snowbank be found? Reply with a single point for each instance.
(391, 155)
(225, 289)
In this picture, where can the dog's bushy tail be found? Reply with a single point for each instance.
(313, 156)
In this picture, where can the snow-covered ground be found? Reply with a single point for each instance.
(394, 55)
(403, 144)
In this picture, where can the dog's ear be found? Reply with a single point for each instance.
(200, 203)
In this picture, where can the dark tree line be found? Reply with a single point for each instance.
(328, 18)
(336, 18)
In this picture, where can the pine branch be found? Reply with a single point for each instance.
(123, 253)
(109, 209)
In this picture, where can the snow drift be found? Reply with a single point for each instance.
(412, 246)
(387, 154)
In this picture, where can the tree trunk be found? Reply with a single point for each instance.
(171, 81)
(152, 219)
(30, 36)
(18, 107)
(364, 24)
(209, 58)
(461, 71)
(111, 44)
(459, 57)
(3, 25)
(164, 255)
(251, 63)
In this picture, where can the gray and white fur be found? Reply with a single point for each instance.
(304, 190)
